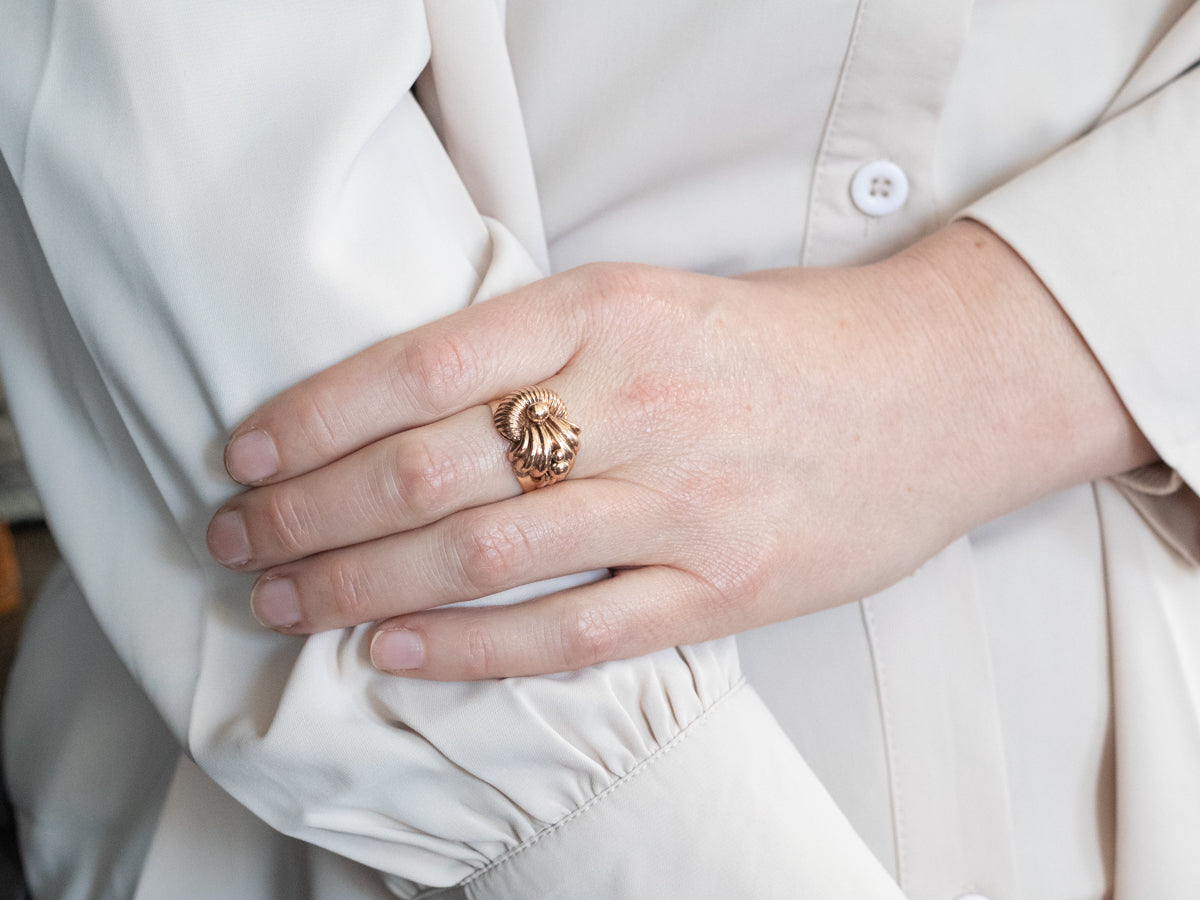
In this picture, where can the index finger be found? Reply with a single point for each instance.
(411, 379)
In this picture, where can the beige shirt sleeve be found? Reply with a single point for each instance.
(204, 208)
(1111, 224)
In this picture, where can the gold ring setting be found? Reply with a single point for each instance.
(542, 443)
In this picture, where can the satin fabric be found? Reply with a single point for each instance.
(211, 201)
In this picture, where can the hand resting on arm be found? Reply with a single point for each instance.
(753, 449)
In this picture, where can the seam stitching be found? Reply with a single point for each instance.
(625, 779)
(890, 738)
(830, 128)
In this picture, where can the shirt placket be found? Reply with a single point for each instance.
(872, 185)
(872, 193)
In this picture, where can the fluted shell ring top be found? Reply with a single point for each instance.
(542, 443)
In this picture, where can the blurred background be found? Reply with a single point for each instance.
(27, 554)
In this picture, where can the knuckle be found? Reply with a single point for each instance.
(592, 636)
(494, 554)
(436, 373)
(479, 654)
(381, 497)
(609, 296)
(618, 282)
(658, 394)
(423, 480)
(348, 593)
(686, 493)
(322, 424)
(741, 576)
(289, 522)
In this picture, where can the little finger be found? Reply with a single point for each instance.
(637, 611)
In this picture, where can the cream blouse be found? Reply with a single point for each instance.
(205, 202)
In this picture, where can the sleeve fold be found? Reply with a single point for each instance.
(1111, 224)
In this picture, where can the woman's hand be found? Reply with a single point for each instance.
(752, 449)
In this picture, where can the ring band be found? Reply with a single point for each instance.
(542, 443)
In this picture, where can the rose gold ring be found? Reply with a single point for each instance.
(542, 444)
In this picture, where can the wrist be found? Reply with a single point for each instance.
(1020, 406)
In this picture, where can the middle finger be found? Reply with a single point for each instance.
(573, 527)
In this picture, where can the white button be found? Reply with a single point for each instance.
(879, 188)
(972, 897)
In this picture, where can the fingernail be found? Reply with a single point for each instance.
(397, 650)
(275, 603)
(251, 457)
(227, 539)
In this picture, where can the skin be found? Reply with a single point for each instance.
(753, 449)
